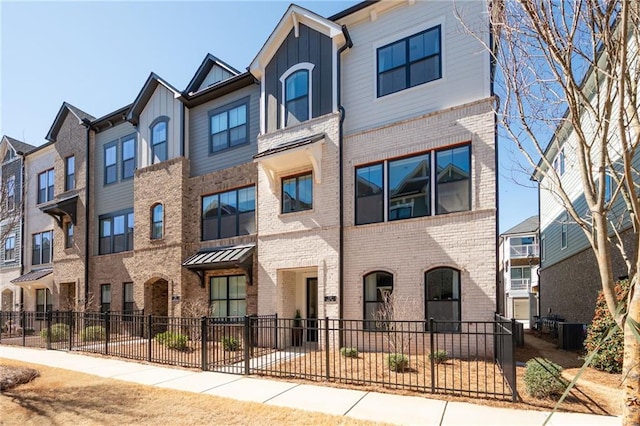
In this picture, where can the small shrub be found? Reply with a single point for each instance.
(93, 333)
(349, 352)
(609, 356)
(173, 340)
(29, 332)
(439, 357)
(397, 362)
(230, 343)
(59, 332)
(542, 378)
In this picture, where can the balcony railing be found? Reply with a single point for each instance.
(525, 250)
(520, 283)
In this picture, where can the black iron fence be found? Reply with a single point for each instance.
(470, 358)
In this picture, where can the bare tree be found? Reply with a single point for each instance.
(10, 207)
(567, 76)
(392, 316)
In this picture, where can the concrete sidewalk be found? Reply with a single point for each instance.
(374, 406)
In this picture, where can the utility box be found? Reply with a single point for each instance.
(571, 335)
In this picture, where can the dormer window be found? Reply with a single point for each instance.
(296, 87)
(159, 140)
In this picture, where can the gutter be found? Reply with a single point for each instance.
(87, 124)
(347, 45)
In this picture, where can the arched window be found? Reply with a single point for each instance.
(378, 286)
(159, 140)
(157, 222)
(296, 94)
(442, 297)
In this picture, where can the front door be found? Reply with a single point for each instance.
(312, 309)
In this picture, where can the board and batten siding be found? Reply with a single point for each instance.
(203, 162)
(465, 64)
(312, 47)
(216, 75)
(162, 103)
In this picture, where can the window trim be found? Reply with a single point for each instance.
(41, 249)
(51, 185)
(434, 164)
(124, 139)
(458, 300)
(152, 234)
(152, 143)
(228, 299)
(11, 193)
(68, 237)
(125, 301)
(102, 302)
(225, 109)
(69, 177)
(13, 249)
(559, 162)
(308, 66)
(405, 36)
(111, 216)
(370, 323)
(296, 176)
(218, 194)
(112, 144)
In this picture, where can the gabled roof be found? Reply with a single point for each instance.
(294, 16)
(111, 119)
(145, 94)
(64, 110)
(219, 89)
(352, 9)
(527, 226)
(204, 69)
(18, 146)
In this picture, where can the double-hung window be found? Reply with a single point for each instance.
(229, 214)
(228, 126)
(110, 163)
(68, 235)
(128, 302)
(105, 297)
(228, 296)
(45, 186)
(116, 232)
(157, 221)
(159, 140)
(297, 193)
(69, 173)
(442, 297)
(44, 303)
(407, 187)
(11, 193)
(128, 156)
(10, 248)
(409, 62)
(42, 248)
(296, 97)
(378, 286)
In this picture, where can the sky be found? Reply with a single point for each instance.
(97, 56)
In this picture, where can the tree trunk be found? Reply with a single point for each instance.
(631, 363)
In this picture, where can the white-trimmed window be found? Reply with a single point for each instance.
(10, 248)
(296, 94)
(559, 163)
(159, 139)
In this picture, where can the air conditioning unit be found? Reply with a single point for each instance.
(571, 335)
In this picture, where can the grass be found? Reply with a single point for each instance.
(67, 397)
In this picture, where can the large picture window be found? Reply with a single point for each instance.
(228, 296)
(442, 296)
(377, 288)
(128, 156)
(228, 126)
(229, 214)
(45, 186)
(453, 179)
(409, 189)
(297, 193)
(116, 232)
(159, 140)
(409, 62)
(42, 248)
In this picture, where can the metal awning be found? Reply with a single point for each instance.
(240, 256)
(65, 206)
(41, 277)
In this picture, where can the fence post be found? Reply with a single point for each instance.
(49, 315)
(275, 332)
(107, 331)
(512, 361)
(141, 319)
(23, 318)
(326, 345)
(203, 342)
(71, 329)
(432, 358)
(247, 344)
(149, 332)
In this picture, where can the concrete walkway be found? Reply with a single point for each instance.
(374, 406)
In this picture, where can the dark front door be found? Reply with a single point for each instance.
(312, 309)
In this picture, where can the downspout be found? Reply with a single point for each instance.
(87, 192)
(22, 214)
(347, 45)
(492, 76)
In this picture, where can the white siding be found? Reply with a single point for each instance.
(216, 75)
(162, 103)
(465, 66)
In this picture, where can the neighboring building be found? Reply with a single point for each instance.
(12, 153)
(518, 276)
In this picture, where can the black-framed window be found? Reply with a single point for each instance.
(69, 173)
(378, 286)
(159, 140)
(11, 193)
(297, 193)
(128, 156)
(68, 235)
(228, 126)
(157, 221)
(42, 248)
(369, 194)
(453, 180)
(116, 232)
(228, 296)
(409, 62)
(296, 98)
(44, 303)
(229, 214)
(409, 187)
(442, 297)
(564, 232)
(105, 297)
(10, 248)
(128, 303)
(45, 186)
(110, 163)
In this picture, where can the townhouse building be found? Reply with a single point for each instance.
(355, 158)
